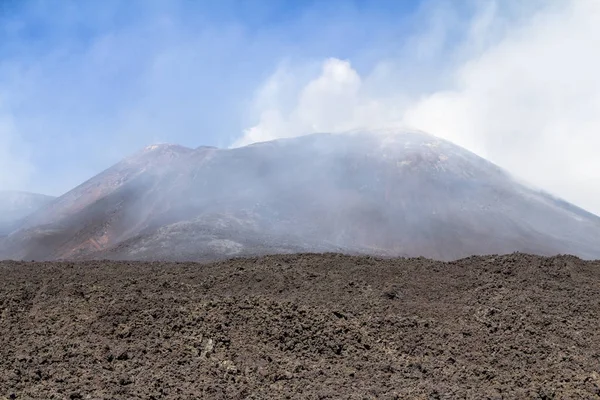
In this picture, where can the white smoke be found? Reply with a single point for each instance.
(523, 92)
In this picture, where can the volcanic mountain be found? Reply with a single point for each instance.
(15, 206)
(385, 193)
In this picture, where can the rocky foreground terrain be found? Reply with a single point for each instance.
(302, 327)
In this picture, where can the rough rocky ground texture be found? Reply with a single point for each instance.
(302, 327)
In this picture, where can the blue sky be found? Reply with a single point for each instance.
(85, 83)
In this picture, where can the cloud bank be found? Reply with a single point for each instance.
(522, 91)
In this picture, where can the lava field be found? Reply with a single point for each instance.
(304, 326)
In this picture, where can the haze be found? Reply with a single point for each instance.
(84, 84)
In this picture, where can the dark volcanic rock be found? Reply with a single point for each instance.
(303, 327)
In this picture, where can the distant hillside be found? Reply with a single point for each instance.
(14, 206)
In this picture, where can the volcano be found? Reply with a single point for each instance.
(383, 193)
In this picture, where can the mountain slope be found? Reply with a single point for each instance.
(388, 193)
(14, 206)
(82, 220)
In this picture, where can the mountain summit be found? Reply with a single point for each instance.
(385, 193)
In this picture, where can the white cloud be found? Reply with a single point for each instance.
(525, 94)
(530, 103)
(335, 101)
